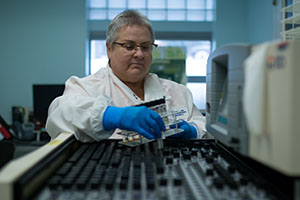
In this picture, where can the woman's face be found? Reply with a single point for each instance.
(131, 63)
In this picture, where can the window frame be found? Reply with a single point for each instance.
(108, 11)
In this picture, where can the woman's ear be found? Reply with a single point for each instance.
(108, 50)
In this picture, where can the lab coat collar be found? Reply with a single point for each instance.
(153, 87)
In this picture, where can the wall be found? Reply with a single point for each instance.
(246, 21)
(231, 22)
(41, 41)
(263, 20)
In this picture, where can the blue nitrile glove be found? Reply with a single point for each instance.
(188, 133)
(134, 118)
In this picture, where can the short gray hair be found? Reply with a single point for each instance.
(126, 18)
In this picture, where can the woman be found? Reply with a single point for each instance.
(94, 107)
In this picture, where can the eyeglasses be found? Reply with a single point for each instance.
(132, 47)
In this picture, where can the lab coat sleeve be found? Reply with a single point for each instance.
(195, 117)
(198, 121)
(79, 113)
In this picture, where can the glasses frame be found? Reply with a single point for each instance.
(135, 46)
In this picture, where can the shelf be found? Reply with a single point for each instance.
(290, 20)
(293, 8)
(293, 34)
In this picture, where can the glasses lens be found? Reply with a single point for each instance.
(146, 47)
(129, 47)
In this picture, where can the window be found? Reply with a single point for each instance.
(155, 10)
(196, 54)
(98, 55)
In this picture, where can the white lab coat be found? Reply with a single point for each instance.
(80, 109)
